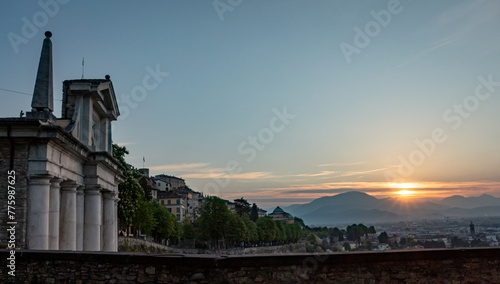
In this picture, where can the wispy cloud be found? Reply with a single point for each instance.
(121, 144)
(323, 173)
(341, 164)
(455, 24)
(179, 167)
(247, 175)
(359, 173)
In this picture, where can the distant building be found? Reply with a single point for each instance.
(194, 204)
(231, 205)
(175, 182)
(144, 171)
(176, 203)
(148, 184)
(282, 216)
(161, 185)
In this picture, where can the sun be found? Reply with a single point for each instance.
(404, 185)
(405, 189)
(406, 193)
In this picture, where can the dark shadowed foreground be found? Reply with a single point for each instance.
(425, 266)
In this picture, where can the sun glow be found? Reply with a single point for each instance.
(406, 193)
(404, 185)
(405, 189)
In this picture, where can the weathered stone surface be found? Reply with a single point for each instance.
(197, 276)
(150, 270)
(427, 266)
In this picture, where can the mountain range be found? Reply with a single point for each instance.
(358, 207)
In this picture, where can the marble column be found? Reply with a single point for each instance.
(116, 222)
(54, 204)
(37, 233)
(80, 211)
(67, 232)
(93, 217)
(109, 225)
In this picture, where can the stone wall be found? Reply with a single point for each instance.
(424, 266)
(20, 151)
(138, 245)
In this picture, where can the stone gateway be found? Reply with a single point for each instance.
(66, 180)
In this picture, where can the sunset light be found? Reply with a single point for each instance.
(404, 185)
(406, 193)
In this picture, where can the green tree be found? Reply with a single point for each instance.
(213, 218)
(166, 225)
(130, 191)
(363, 230)
(402, 241)
(371, 230)
(254, 213)
(242, 207)
(188, 231)
(281, 232)
(301, 222)
(236, 229)
(341, 235)
(144, 219)
(266, 228)
(347, 246)
(367, 244)
(383, 238)
(410, 242)
(354, 233)
(251, 232)
(296, 232)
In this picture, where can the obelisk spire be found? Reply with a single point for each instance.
(43, 97)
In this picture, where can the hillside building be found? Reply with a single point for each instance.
(175, 202)
(282, 216)
(175, 182)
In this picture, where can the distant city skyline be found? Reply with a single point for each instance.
(282, 102)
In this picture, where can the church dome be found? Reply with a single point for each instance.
(277, 210)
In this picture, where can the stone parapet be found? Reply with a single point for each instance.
(416, 266)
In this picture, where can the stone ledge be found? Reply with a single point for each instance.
(417, 266)
(223, 261)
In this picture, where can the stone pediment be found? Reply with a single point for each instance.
(100, 90)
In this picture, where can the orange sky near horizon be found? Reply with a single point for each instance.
(268, 197)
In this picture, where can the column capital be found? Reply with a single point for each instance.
(40, 179)
(56, 180)
(93, 190)
(80, 190)
(69, 185)
(109, 194)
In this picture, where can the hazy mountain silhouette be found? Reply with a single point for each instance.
(359, 207)
(471, 202)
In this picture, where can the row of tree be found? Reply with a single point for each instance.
(353, 232)
(322, 239)
(219, 227)
(216, 227)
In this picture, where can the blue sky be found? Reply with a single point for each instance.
(224, 75)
